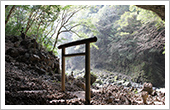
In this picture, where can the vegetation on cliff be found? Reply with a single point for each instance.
(131, 40)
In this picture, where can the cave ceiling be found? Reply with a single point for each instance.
(158, 9)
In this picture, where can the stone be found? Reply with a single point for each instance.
(8, 58)
(12, 52)
(21, 51)
(22, 58)
(154, 93)
(92, 78)
(120, 82)
(42, 55)
(111, 81)
(27, 55)
(147, 87)
(99, 81)
(79, 84)
(115, 78)
(127, 84)
(14, 39)
(58, 77)
(144, 96)
(34, 58)
(40, 70)
(24, 42)
(158, 103)
(16, 44)
(71, 78)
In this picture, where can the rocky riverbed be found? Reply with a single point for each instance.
(104, 77)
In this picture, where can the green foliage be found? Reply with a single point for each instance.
(44, 22)
(124, 19)
(125, 38)
(146, 16)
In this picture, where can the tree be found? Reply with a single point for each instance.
(63, 24)
(13, 7)
(43, 22)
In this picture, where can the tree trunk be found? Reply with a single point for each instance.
(56, 40)
(38, 30)
(6, 21)
(28, 23)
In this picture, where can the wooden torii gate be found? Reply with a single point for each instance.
(87, 62)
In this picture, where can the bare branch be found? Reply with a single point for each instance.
(67, 30)
(63, 23)
(75, 33)
(71, 16)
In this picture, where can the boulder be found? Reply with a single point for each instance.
(25, 43)
(80, 84)
(14, 39)
(92, 78)
(57, 76)
(147, 87)
(144, 96)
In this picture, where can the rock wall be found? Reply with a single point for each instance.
(30, 52)
(158, 9)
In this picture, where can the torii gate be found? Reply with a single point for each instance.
(87, 62)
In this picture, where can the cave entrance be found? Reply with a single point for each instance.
(87, 62)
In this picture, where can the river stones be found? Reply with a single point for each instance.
(127, 84)
(147, 87)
